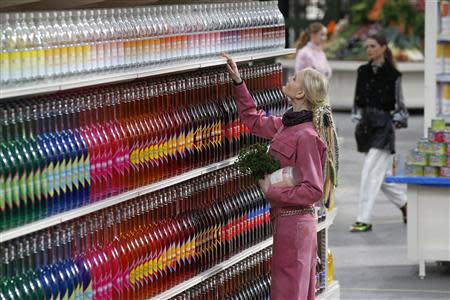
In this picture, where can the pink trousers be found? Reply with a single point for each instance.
(294, 258)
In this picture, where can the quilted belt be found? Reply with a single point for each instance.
(293, 211)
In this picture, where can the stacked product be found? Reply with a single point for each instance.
(249, 279)
(67, 150)
(432, 156)
(140, 248)
(51, 45)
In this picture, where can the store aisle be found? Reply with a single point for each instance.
(374, 265)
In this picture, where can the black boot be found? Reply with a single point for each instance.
(404, 213)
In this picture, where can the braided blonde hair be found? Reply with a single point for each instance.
(315, 86)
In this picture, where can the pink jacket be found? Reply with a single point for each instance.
(297, 146)
(312, 56)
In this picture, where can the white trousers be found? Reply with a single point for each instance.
(376, 166)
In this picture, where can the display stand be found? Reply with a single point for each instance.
(429, 197)
(16, 92)
(428, 227)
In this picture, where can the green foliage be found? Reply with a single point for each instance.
(360, 10)
(400, 21)
(257, 160)
(403, 13)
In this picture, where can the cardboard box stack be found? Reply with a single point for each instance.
(431, 158)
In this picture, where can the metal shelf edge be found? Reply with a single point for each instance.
(79, 212)
(329, 220)
(214, 270)
(443, 38)
(84, 81)
(331, 289)
(443, 78)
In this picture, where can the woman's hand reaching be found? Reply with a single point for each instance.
(232, 69)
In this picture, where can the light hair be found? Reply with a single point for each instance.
(315, 87)
(305, 35)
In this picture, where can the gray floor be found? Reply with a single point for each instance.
(374, 265)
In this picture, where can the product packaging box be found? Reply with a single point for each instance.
(438, 160)
(438, 148)
(413, 170)
(431, 171)
(438, 124)
(445, 172)
(424, 146)
(417, 158)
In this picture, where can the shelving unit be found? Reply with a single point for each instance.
(329, 293)
(82, 211)
(126, 75)
(94, 79)
(214, 270)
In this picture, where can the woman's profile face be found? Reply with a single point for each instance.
(374, 50)
(320, 37)
(294, 85)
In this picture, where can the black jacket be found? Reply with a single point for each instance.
(378, 98)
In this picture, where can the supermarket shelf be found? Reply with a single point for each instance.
(72, 214)
(430, 181)
(329, 220)
(117, 75)
(331, 293)
(443, 38)
(235, 259)
(214, 270)
(443, 78)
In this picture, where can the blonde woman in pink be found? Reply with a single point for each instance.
(304, 139)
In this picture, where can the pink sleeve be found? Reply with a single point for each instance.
(257, 121)
(309, 168)
(302, 61)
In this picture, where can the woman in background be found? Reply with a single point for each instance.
(309, 50)
(378, 108)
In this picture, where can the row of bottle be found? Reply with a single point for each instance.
(140, 248)
(42, 45)
(248, 279)
(67, 150)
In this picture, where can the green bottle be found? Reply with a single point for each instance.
(3, 218)
(10, 214)
(9, 290)
(21, 284)
(33, 182)
(17, 167)
(29, 160)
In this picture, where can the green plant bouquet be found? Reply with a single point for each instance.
(256, 160)
(261, 165)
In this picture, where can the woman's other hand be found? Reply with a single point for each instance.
(232, 69)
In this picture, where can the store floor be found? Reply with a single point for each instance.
(374, 265)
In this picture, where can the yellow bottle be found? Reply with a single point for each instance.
(330, 267)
